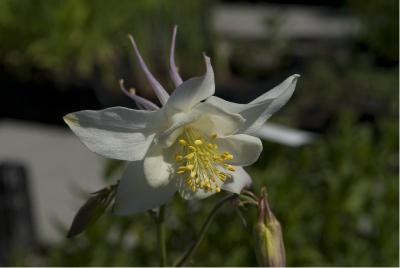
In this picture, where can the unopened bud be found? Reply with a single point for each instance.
(269, 247)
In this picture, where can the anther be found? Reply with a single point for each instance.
(230, 167)
(189, 156)
(182, 142)
(189, 167)
(198, 142)
(229, 156)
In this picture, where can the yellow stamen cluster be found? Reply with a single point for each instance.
(200, 161)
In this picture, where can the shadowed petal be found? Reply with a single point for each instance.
(245, 148)
(188, 194)
(157, 170)
(241, 179)
(260, 109)
(216, 120)
(135, 195)
(167, 137)
(192, 91)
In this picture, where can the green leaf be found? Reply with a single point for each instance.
(91, 211)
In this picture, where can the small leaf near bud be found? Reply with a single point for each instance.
(91, 211)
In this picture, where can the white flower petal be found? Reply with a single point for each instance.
(157, 169)
(245, 148)
(259, 110)
(241, 179)
(116, 132)
(281, 92)
(167, 137)
(193, 91)
(216, 120)
(135, 195)
(187, 194)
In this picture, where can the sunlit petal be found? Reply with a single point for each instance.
(117, 132)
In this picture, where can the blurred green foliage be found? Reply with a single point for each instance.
(356, 85)
(87, 40)
(337, 199)
(380, 20)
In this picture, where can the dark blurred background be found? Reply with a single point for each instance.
(337, 197)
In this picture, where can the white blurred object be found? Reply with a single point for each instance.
(285, 135)
(59, 169)
(296, 22)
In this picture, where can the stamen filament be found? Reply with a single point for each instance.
(202, 161)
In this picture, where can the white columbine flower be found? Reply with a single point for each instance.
(195, 143)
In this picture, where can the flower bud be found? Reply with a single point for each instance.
(269, 247)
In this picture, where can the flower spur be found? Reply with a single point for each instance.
(195, 143)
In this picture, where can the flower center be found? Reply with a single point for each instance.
(201, 162)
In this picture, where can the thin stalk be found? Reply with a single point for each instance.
(188, 254)
(162, 250)
(248, 199)
(250, 193)
(248, 202)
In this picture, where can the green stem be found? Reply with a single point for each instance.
(188, 254)
(161, 236)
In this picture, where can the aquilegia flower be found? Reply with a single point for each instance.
(195, 143)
